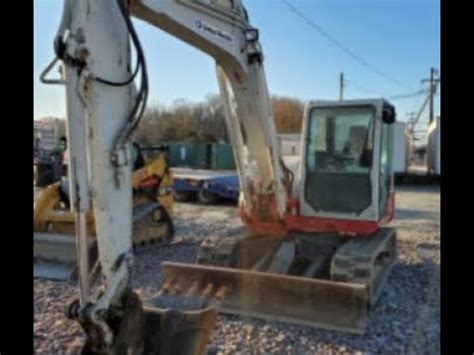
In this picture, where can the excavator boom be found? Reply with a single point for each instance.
(222, 30)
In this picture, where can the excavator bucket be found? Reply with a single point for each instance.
(321, 303)
(169, 331)
(164, 325)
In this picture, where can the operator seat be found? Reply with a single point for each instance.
(355, 142)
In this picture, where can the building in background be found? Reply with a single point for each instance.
(433, 149)
(290, 144)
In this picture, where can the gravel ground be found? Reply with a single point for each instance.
(406, 318)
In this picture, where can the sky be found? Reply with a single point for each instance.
(399, 38)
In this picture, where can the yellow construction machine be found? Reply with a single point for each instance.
(54, 222)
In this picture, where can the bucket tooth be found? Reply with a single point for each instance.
(221, 293)
(207, 290)
(178, 287)
(165, 287)
(193, 289)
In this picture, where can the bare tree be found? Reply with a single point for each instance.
(185, 121)
(288, 114)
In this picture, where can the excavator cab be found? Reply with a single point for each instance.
(346, 169)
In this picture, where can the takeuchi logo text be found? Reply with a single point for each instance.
(213, 31)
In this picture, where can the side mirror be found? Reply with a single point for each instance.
(388, 115)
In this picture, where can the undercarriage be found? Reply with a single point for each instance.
(325, 280)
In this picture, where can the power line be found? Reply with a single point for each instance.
(393, 97)
(361, 88)
(416, 105)
(408, 96)
(337, 43)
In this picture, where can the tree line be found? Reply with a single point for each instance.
(204, 121)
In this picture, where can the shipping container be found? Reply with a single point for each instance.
(222, 157)
(189, 155)
(212, 156)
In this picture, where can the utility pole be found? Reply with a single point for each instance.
(341, 86)
(432, 90)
